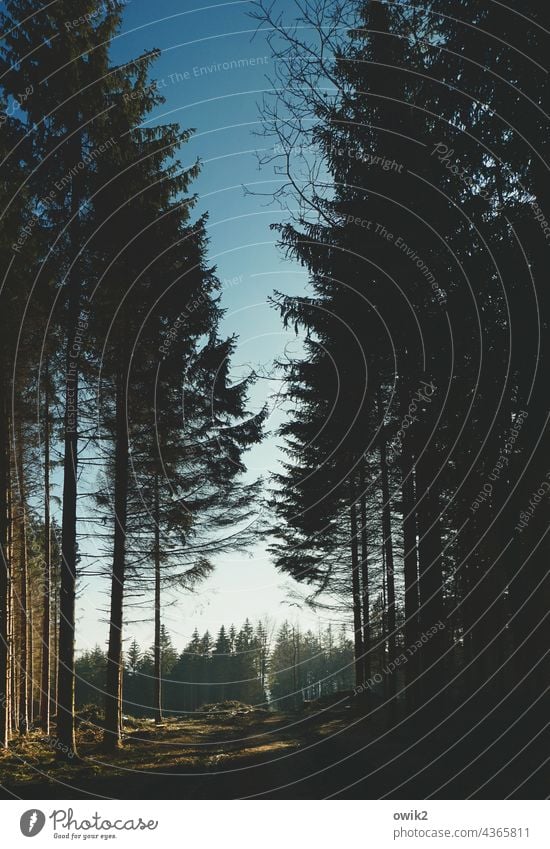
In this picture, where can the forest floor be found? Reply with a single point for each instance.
(261, 754)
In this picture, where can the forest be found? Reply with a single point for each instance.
(237, 666)
(404, 156)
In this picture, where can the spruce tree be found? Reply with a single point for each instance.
(65, 67)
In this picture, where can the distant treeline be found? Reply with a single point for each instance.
(244, 665)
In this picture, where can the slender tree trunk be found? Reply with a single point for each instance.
(384, 602)
(390, 577)
(23, 602)
(298, 701)
(5, 577)
(356, 590)
(157, 673)
(365, 577)
(431, 577)
(45, 686)
(120, 689)
(67, 595)
(410, 559)
(10, 560)
(55, 620)
(410, 562)
(14, 690)
(31, 652)
(113, 729)
(9, 652)
(13, 664)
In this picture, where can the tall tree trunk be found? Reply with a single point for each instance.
(430, 557)
(365, 576)
(5, 577)
(410, 559)
(157, 672)
(296, 668)
(390, 575)
(31, 647)
(67, 595)
(45, 685)
(23, 599)
(356, 590)
(9, 652)
(13, 684)
(113, 694)
(120, 689)
(384, 634)
(14, 691)
(55, 621)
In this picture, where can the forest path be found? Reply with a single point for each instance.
(202, 756)
(259, 754)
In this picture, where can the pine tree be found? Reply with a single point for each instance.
(442, 279)
(14, 293)
(42, 54)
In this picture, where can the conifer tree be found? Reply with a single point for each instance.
(15, 217)
(408, 247)
(65, 69)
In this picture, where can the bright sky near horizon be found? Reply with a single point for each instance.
(212, 72)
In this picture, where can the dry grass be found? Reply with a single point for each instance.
(207, 741)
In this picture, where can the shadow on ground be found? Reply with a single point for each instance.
(338, 753)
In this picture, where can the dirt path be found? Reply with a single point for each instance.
(260, 755)
(201, 757)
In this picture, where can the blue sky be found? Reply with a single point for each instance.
(212, 72)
